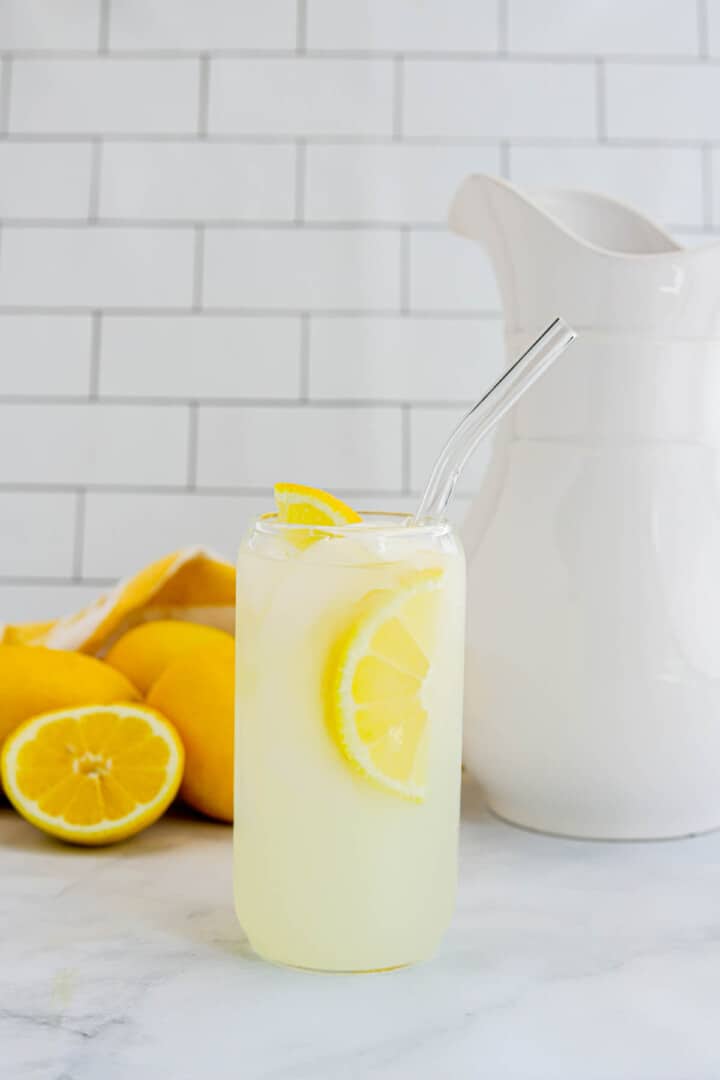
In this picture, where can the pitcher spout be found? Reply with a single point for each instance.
(599, 262)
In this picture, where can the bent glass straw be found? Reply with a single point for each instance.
(464, 440)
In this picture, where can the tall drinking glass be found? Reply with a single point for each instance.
(348, 739)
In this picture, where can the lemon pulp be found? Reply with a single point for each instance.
(375, 682)
(93, 775)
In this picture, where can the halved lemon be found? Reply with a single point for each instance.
(375, 682)
(300, 505)
(93, 775)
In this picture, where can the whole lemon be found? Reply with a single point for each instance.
(35, 680)
(196, 692)
(143, 653)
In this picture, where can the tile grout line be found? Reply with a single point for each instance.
(406, 448)
(457, 314)
(238, 224)
(707, 187)
(370, 226)
(291, 401)
(5, 93)
(203, 96)
(178, 490)
(503, 28)
(95, 351)
(42, 581)
(300, 180)
(104, 27)
(600, 101)
(79, 545)
(198, 267)
(702, 26)
(385, 56)
(405, 271)
(304, 390)
(514, 56)
(192, 446)
(257, 225)
(96, 161)
(505, 157)
(398, 97)
(301, 27)
(348, 140)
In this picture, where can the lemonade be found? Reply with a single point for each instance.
(348, 735)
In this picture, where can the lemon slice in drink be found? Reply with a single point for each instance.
(375, 683)
(93, 775)
(300, 505)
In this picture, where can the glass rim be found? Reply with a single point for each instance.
(393, 522)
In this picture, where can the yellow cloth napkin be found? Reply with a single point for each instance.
(192, 584)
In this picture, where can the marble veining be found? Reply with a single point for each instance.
(585, 961)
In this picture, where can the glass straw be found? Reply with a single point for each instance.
(464, 440)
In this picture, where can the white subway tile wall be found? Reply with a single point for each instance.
(45, 180)
(90, 268)
(105, 96)
(24, 536)
(197, 181)
(611, 27)
(442, 359)
(403, 26)
(302, 269)
(186, 357)
(390, 183)
(498, 99)
(94, 444)
(449, 273)
(303, 96)
(192, 26)
(352, 448)
(45, 356)
(223, 251)
(41, 24)
(663, 101)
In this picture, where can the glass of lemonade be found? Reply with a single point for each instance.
(350, 644)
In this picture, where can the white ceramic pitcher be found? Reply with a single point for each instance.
(593, 686)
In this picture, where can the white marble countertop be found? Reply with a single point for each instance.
(585, 961)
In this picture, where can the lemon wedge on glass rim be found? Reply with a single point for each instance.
(94, 774)
(301, 505)
(375, 682)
